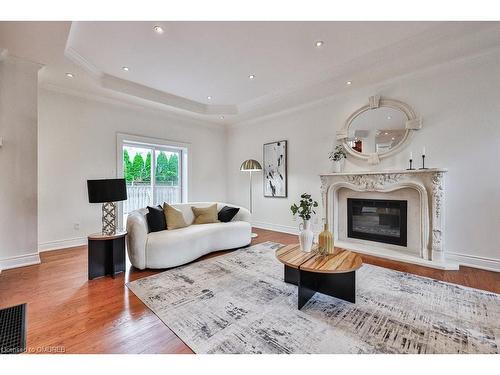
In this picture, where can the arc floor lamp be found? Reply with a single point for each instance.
(251, 165)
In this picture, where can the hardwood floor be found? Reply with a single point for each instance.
(68, 313)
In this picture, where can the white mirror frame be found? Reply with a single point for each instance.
(413, 122)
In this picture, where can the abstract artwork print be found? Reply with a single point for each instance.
(275, 169)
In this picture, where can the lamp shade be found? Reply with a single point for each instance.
(108, 190)
(250, 165)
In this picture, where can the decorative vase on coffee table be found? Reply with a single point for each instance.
(306, 236)
(325, 241)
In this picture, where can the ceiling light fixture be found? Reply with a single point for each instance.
(221, 117)
(251, 76)
(125, 68)
(319, 43)
(348, 83)
(389, 117)
(158, 29)
(209, 97)
(69, 75)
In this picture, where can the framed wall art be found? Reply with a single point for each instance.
(275, 169)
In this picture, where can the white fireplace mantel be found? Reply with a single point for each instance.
(430, 185)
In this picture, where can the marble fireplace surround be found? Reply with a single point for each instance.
(430, 186)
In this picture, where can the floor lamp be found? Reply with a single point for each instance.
(251, 165)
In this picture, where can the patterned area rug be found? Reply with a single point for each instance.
(239, 303)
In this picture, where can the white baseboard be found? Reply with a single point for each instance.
(62, 244)
(19, 261)
(275, 227)
(488, 264)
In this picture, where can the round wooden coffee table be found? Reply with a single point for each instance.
(334, 274)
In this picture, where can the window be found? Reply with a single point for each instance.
(155, 171)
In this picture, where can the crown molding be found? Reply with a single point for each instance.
(148, 93)
(7, 57)
(134, 104)
(78, 59)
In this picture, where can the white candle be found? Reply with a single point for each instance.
(423, 151)
(411, 155)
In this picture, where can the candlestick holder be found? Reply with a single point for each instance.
(423, 162)
(411, 166)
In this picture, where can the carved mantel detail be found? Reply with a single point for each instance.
(428, 182)
(438, 191)
(374, 181)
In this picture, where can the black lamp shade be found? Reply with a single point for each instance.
(109, 190)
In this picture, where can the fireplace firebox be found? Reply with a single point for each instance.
(377, 220)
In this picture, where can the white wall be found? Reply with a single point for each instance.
(18, 163)
(460, 105)
(77, 141)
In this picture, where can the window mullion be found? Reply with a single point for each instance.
(153, 175)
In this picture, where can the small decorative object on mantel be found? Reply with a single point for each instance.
(411, 162)
(423, 158)
(305, 209)
(338, 157)
(325, 241)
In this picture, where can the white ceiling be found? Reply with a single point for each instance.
(197, 59)
(193, 60)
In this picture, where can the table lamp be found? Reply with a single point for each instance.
(107, 192)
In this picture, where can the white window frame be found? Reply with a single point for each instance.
(123, 139)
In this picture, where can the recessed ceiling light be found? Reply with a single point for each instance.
(209, 97)
(393, 138)
(158, 29)
(251, 76)
(69, 75)
(389, 117)
(348, 83)
(125, 68)
(319, 43)
(386, 133)
(221, 117)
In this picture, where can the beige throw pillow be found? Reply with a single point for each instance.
(205, 215)
(174, 217)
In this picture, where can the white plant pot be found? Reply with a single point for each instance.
(338, 166)
(306, 236)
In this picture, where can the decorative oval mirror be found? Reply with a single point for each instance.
(379, 129)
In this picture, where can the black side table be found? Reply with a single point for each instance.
(106, 254)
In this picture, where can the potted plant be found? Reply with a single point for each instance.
(338, 157)
(305, 209)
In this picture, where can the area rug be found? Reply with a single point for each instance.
(239, 303)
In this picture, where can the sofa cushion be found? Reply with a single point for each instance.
(205, 215)
(174, 217)
(156, 219)
(227, 213)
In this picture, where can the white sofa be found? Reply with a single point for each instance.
(170, 248)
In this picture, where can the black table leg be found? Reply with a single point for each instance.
(339, 285)
(307, 287)
(291, 275)
(106, 257)
(118, 255)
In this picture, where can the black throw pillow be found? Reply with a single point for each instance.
(156, 219)
(227, 213)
